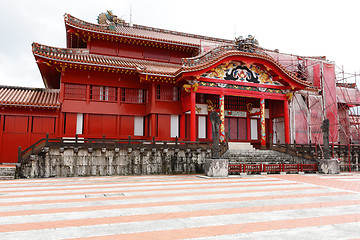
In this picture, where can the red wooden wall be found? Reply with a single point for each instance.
(98, 46)
(22, 128)
(163, 126)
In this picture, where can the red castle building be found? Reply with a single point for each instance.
(120, 79)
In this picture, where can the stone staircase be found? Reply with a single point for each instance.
(7, 172)
(240, 146)
(245, 153)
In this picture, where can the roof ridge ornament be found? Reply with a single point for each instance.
(249, 44)
(108, 18)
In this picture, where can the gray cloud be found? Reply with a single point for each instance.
(305, 28)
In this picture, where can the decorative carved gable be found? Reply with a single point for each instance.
(241, 72)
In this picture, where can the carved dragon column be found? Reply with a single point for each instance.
(222, 117)
(262, 123)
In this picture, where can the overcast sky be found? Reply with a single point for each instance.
(307, 28)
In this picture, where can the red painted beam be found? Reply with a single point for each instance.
(240, 93)
(192, 116)
(286, 122)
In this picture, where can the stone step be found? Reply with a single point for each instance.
(240, 146)
(7, 172)
(257, 156)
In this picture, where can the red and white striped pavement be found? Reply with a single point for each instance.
(182, 207)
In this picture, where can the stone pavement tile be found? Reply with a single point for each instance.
(323, 180)
(129, 193)
(230, 229)
(162, 216)
(181, 207)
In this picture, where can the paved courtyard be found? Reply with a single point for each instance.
(182, 207)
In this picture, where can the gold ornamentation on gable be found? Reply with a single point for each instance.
(210, 106)
(241, 72)
(289, 96)
(264, 76)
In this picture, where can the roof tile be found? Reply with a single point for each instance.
(203, 61)
(66, 55)
(29, 97)
(143, 32)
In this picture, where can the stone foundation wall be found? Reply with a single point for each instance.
(107, 162)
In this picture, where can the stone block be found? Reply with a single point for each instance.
(216, 167)
(328, 166)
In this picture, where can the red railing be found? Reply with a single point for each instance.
(235, 168)
(271, 168)
(291, 168)
(308, 167)
(252, 168)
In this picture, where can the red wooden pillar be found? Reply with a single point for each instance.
(271, 130)
(153, 95)
(208, 128)
(61, 126)
(62, 92)
(118, 93)
(87, 94)
(153, 128)
(1, 134)
(60, 131)
(248, 126)
(262, 124)
(182, 126)
(118, 125)
(29, 130)
(153, 120)
(192, 115)
(286, 122)
(86, 124)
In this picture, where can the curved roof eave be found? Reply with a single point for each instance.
(209, 60)
(83, 57)
(135, 32)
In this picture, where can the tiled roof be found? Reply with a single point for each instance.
(83, 57)
(29, 97)
(143, 32)
(207, 59)
(78, 56)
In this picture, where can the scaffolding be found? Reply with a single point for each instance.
(334, 95)
(349, 102)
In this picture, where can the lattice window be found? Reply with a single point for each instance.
(200, 98)
(103, 93)
(75, 91)
(235, 103)
(203, 99)
(133, 95)
(167, 93)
